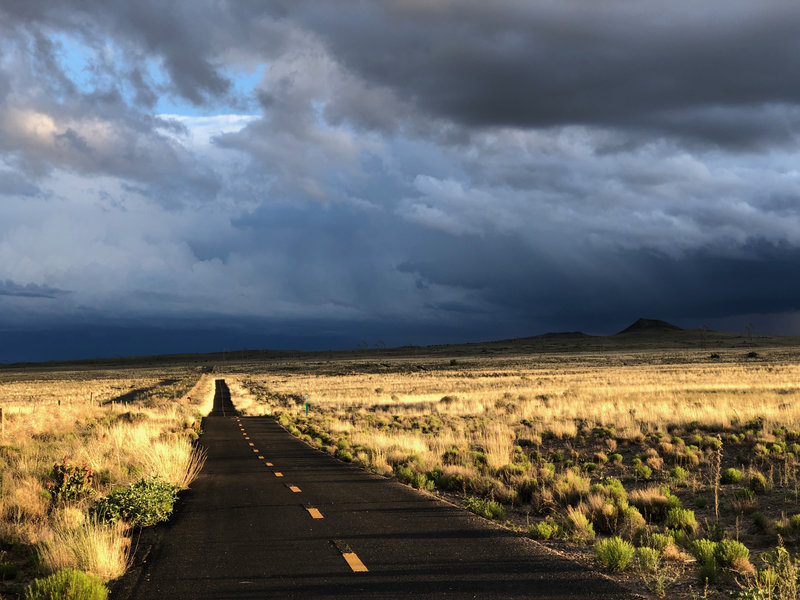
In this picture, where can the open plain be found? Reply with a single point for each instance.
(668, 460)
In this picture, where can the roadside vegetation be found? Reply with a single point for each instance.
(676, 470)
(85, 457)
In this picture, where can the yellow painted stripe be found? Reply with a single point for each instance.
(260, 458)
(269, 464)
(247, 437)
(355, 562)
(251, 444)
(256, 450)
(278, 474)
(314, 512)
(295, 489)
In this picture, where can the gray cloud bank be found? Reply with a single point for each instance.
(461, 169)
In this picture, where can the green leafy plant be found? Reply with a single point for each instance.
(143, 503)
(70, 482)
(485, 508)
(67, 584)
(705, 553)
(543, 530)
(613, 554)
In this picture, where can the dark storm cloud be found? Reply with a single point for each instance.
(9, 288)
(537, 64)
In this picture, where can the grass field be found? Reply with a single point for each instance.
(72, 436)
(671, 462)
(670, 451)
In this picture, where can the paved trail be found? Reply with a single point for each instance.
(270, 517)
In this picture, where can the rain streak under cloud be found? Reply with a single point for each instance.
(193, 175)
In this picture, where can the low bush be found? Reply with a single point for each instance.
(488, 509)
(543, 530)
(704, 552)
(67, 584)
(70, 482)
(758, 483)
(647, 559)
(143, 503)
(682, 519)
(613, 554)
(731, 476)
(728, 551)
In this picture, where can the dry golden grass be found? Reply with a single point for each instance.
(150, 436)
(93, 547)
(648, 391)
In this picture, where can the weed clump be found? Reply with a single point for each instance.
(488, 509)
(613, 554)
(68, 584)
(70, 482)
(731, 476)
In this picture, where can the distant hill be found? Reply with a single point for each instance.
(649, 326)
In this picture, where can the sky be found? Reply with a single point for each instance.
(200, 175)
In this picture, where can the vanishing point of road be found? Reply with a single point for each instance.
(270, 517)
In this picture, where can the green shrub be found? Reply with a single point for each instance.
(67, 584)
(758, 483)
(615, 458)
(543, 530)
(143, 503)
(705, 553)
(343, 455)
(658, 541)
(727, 551)
(642, 471)
(678, 474)
(485, 508)
(647, 559)
(421, 482)
(731, 476)
(683, 519)
(507, 473)
(613, 554)
(70, 482)
(794, 522)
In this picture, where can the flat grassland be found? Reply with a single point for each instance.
(669, 459)
(676, 467)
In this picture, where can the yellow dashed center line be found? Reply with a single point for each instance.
(315, 514)
(354, 562)
(269, 464)
(278, 474)
(256, 450)
(260, 458)
(295, 489)
(251, 444)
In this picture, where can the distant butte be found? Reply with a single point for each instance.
(650, 326)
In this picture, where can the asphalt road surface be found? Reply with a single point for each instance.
(270, 517)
